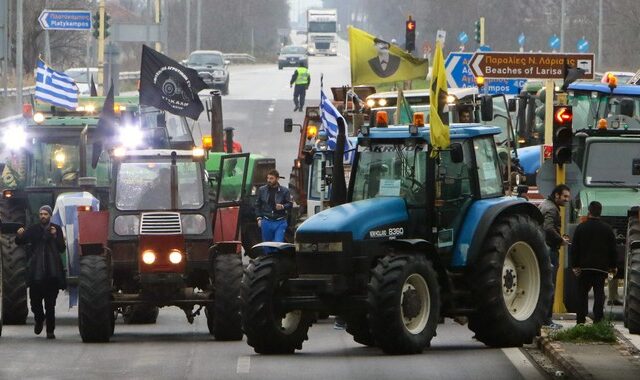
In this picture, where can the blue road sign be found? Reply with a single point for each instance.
(554, 42)
(463, 38)
(504, 86)
(65, 20)
(521, 39)
(484, 48)
(582, 45)
(460, 75)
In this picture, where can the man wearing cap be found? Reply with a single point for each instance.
(46, 273)
(385, 64)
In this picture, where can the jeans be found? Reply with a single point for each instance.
(554, 257)
(47, 292)
(273, 230)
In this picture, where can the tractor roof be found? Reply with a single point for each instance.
(457, 131)
(621, 89)
(158, 154)
(87, 113)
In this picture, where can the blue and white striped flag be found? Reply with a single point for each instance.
(55, 88)
(330, 115)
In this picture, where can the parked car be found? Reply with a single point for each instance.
(291, 56)
(212, 67)
(83, 81)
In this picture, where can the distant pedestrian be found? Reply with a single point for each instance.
(550, 208)
(229, 142)
(301, 78)
(271, 207)
(593, 255)
(46, 275)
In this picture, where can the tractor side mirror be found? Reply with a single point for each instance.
(288, 125)
(486, 108)
(457, 155)
(511, 104)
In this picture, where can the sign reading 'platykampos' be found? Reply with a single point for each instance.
(529, 65)
(65, 20)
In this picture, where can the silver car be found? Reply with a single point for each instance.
(291, 56)
(211, 67)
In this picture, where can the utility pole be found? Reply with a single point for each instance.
(599, 60)
(157, 21)
(198, 24)
(19, 34)
(47, 42)
(101, 10)
(4, 16)
(188, 45)
(562, 12)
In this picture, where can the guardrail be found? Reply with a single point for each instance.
(240, 57)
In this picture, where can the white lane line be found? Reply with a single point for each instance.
(244, 364)
(522, 363)
(272, 106)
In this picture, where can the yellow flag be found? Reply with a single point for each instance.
(377, 61)
(438, 118)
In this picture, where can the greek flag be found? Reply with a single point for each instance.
(330, 115)
(55, 88)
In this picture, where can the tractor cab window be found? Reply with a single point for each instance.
(54, 164)
(488, 167)
(598, 170)
(392, 170)
(147, 186)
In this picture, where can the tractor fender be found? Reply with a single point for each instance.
(415, 245)
(226, 247)
(272, 246)
(479, 220)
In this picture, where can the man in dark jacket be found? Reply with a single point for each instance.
(45, 273)
(271, 207)
(550, 209)
(593, 254)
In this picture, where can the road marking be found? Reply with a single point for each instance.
(244, 364)
(522, 363)
(272, 106)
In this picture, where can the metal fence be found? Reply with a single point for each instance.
(240, 57)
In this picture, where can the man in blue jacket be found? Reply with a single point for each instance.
(271, 207)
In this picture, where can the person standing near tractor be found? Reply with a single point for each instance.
(46, 273)
(301, 78)
(271, 207)
(550, 209)
(593, 256)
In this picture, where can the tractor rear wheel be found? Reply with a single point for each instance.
(632, 279)
(223, 316)
(404, 301)
(511, 283)
(95, 314)
(269, 329)
(140, 314)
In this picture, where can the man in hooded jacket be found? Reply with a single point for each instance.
(46, 273)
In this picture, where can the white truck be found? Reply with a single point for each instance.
(322, 31)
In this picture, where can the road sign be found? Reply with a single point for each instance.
(459, 75)
(521, 39)
(529, 65)
(582, 45)
(65, 20)
(463, 38)
(441, 35)
(554, 42)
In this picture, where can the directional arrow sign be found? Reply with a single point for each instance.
(463, 38)
(529, 65)
(521, 39)
(582, 45)
(65, 20)
(554, 42)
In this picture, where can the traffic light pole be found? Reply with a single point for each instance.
(101, 10)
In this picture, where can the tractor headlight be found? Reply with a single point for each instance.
(175, 256)
(14, 137)
(131, 136)
(193, 224)
(382, 102)
(148, 257)
(371, 103)
(319, 247)
(126, 225)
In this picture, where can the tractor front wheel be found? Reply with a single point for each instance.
(95, 313)
(223, 316)
(632, 279)
(14, 285)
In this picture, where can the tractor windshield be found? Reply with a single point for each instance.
(147, 186)
(599, 171)
(391, 170)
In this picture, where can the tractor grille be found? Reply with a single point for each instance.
(160, 223)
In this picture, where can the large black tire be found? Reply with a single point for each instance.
(14, 285)
(140, 314)
(511, 283)
(358, 327)
(95, 313)
(223, 316)
(270, 330)
(404, 303)
(632, 279)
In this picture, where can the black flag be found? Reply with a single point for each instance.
(169, 86)
(105, 130)
(94, 90)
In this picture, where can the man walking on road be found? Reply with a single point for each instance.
(301, 78)
(271, 208)
(593, 254)
(550, 209)
(45, 273)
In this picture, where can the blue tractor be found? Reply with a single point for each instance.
(422, 234)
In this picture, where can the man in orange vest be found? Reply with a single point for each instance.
(228, 141)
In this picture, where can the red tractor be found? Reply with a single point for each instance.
(166, 240)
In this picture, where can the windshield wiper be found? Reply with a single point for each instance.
(618, 183)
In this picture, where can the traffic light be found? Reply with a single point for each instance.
(478, 31)
(96, 24)
(562, 134)
(106, 24)
(410, 35)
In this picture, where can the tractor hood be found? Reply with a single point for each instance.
(615, 202)
(370, 218)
